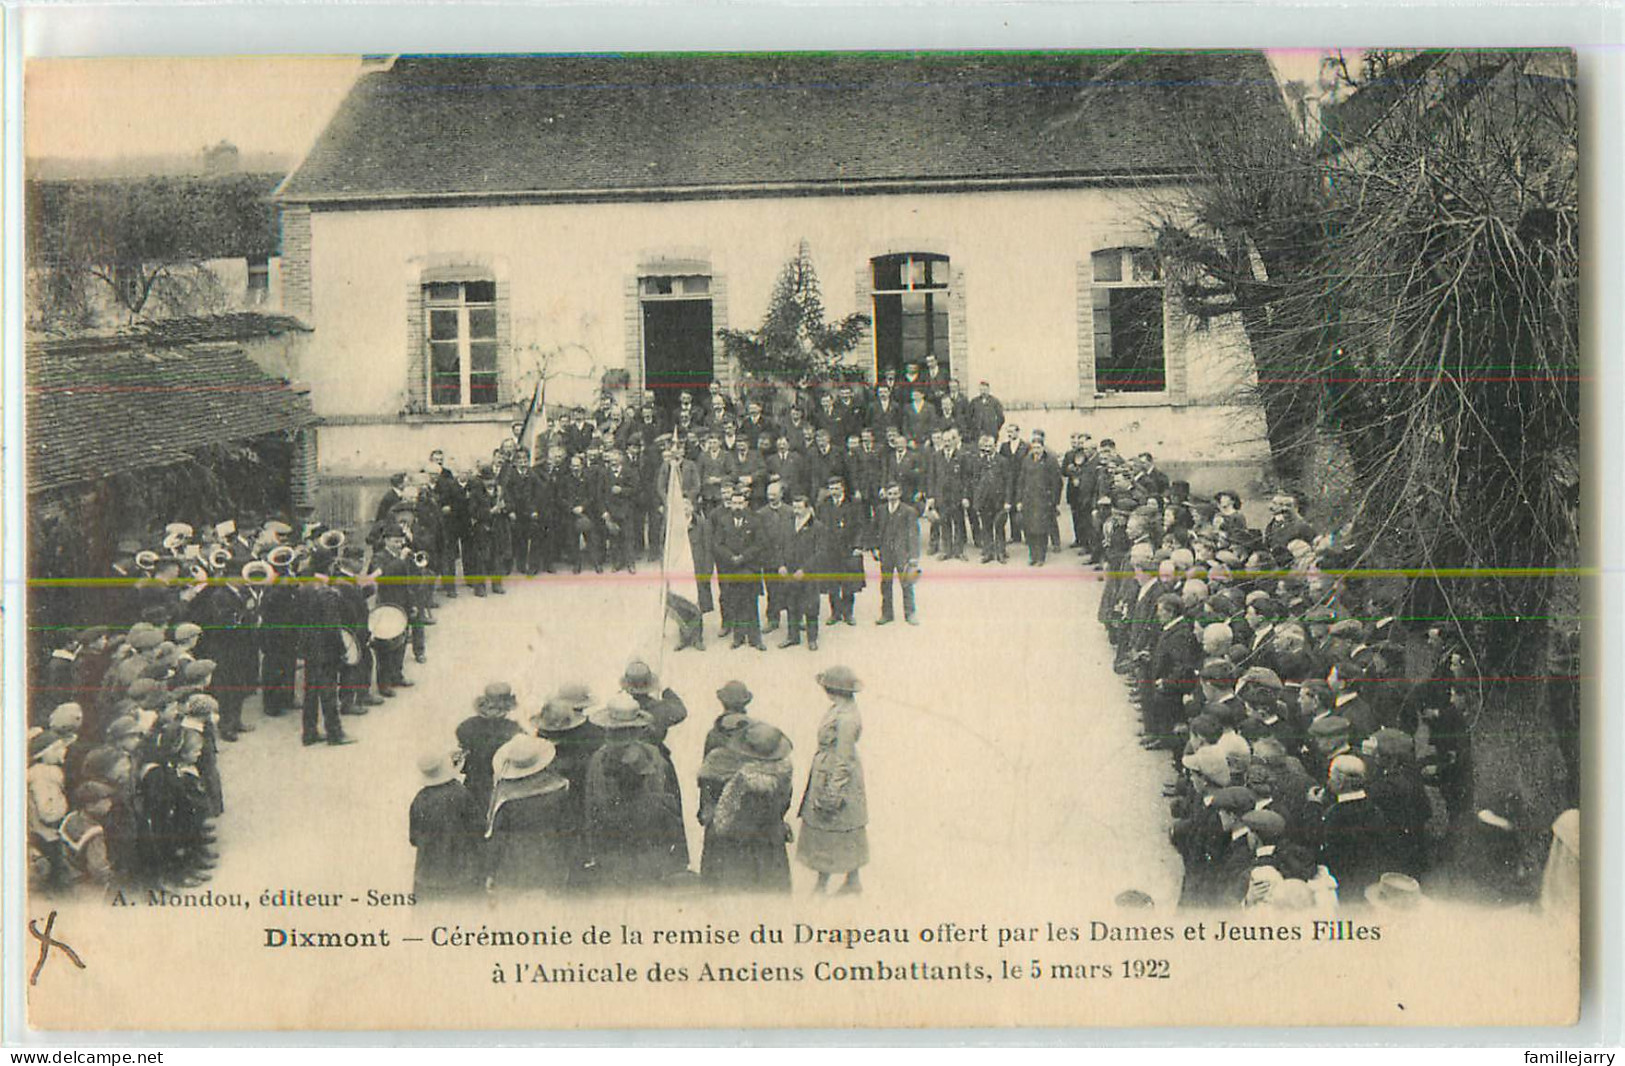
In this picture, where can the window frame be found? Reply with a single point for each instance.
(933, 291)
(1130, 278)
(463, 307)
(259, 269)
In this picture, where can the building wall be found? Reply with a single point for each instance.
(224, 291)
(566, 276)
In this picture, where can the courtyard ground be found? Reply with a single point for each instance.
(999, 747)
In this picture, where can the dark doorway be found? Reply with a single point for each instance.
(677, 352)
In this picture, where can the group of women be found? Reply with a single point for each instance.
(585, 797)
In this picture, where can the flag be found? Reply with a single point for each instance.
(677, 564)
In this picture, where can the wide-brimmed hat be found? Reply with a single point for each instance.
(1395, 891)
(639, 676)
(521, 757)
(731, 722)
(574, 694)
(760, 740)
(435, 766)
(840, 679)
(620, 711)
(497, 699)
(735, 694)
(556, 717)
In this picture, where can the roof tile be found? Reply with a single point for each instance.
(448, 126)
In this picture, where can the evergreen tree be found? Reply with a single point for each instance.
(794, 342)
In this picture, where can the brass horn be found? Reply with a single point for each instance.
(258, 572)
(199, 571)
(421, 560)
(220, 558)
(280, 556)
(332, 540)
(147, 560)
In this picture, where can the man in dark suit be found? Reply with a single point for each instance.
(755, 423)
(845, 528)
(824, 462)
(713, 470)
(577, 433)
(1082, 490)
(391, 497)
(323, 651)
(986, 412)
(1038, 495)
(990, 498)
(746, 467)
(788, 468)
(619, 501)
(1012, 450)
(395, 587)
(802, 555)
(1175, 658)
(774, 522)
(736, 548)
(453, 520)
(581, 506)
(1354, 838)
(885, 413)
(864, 467)
(902, 467)
(795, 429)
(950, 495)
(920, 418)
(899, 551)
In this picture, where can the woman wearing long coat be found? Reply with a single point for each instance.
(834, 808)
(745, 788)
(531, 831)
(445, 826)
(634, 827)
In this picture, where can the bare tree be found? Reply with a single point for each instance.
(1409, 277)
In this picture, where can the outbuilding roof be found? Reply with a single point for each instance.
(461, 127)
(94, 411)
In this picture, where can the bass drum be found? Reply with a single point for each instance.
(352, 648)
(387, 624)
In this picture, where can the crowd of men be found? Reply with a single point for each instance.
(782, 496)
(584, 797)
(1321, 751)
(1311, 768)
(127, 718)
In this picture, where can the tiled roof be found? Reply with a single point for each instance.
(174, 332)
(93, 414)
(435, 127)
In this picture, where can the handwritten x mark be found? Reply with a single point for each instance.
(46, 943)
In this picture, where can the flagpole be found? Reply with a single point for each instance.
(674, 493)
